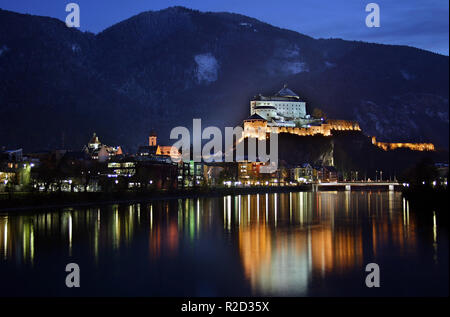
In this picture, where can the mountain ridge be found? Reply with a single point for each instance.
(160, 69)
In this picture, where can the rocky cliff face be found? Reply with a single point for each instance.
(161, 69)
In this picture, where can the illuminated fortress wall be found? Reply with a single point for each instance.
(343, 125)
(412, 146)
(255, 128)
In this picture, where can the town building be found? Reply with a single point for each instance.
(326, 174)
(133, 172)
(155, 151)
(302, 174)
(15, 172)
(250, 174)
(190, 174)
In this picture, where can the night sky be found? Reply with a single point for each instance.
(419, 23)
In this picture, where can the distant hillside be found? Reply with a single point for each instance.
(350, 151)
(161, 69)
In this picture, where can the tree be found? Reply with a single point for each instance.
(318, 113)
(423, 172)
(47, 173)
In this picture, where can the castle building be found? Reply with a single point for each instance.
(99, 151)
(256, 126)
(284, 109)
(94, 143)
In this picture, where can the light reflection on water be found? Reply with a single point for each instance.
(276, 244)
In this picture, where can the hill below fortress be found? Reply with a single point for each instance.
(350, 151)
(347, 151)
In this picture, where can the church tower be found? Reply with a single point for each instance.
(152, 139)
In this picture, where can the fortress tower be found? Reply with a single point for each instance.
(152, 139)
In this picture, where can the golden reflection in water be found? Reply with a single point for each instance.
(248, 209)
(347, 201)
(435, 257)
(434, 227)
(257, 207)
(255, 247)
(266, 210)
(335, 250)
(391, 203)
(239, 209)
(290, 207)
(300, 207)
(311, 244)
(275, 208)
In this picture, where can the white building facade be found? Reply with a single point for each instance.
(285, 108)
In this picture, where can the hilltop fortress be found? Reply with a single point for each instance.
(285, 112)
(284, 109)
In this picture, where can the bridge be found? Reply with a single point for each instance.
(362, 185)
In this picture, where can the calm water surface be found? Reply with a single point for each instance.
(290, 244)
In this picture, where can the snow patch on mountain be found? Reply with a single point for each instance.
(433, 113)
(287, 60)
(75, 48)
(207, 68)
(292, 52)
(3, 49)
(296, 67)
(406, 75)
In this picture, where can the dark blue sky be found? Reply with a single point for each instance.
(419, 23)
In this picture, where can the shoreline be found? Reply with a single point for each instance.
(40, 200)
(67, 199)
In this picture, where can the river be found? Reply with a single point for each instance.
(285, 244)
